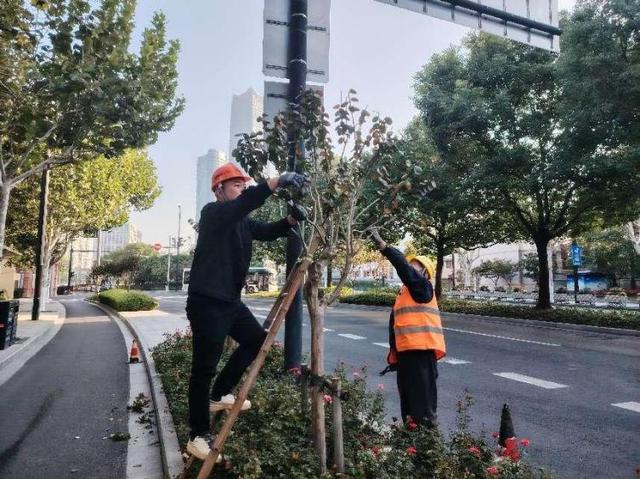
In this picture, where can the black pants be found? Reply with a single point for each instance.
(417, 374)
(211, 322)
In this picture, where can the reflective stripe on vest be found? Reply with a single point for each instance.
(417, 326)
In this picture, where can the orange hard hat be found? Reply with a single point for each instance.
(227, 172)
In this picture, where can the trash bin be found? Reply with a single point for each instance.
(8, 322)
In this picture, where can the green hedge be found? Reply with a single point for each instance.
(346, 291)
(606, 318)
(123, 300)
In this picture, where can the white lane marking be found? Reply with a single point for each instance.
(384, 345)
(455, 361)
(352, 336)
(631, 406)
(529, 380)
(328, 330)
(501, 337)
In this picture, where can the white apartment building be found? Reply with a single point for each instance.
(118, 238)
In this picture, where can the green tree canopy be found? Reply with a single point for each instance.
(84, 197)
(506, 100)
(71, 90)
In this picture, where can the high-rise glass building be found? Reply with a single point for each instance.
(246, 108)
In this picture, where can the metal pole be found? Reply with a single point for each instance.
(297, 73)
(178, 245)
(40, 250)
(576, 286)
(168, 264)
(70, 268)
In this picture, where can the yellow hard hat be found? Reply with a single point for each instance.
(424, 261)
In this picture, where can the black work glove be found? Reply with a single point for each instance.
(293, 179)
(297, 212)
(377, 241)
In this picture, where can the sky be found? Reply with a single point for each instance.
(376, 49)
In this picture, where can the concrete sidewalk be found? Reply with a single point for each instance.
(31, 336)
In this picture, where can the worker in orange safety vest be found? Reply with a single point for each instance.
(416, 338)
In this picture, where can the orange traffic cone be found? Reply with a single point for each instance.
(134, 355)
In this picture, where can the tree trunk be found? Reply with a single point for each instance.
(316, 314)
(439, 267)
(329, 274)
(544, 294)
(5, 192)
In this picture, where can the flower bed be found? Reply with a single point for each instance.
(272, 438)
(606, 318)
(123, 300)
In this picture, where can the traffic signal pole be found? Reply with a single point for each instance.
(297, 73)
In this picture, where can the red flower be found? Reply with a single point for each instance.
(412, 425)
(375, 450)
(524, 442)
(492, 470)
(510, 443)
(475, 451)
(295, 371)
(411, 450)
(495, 435)
(328, 399)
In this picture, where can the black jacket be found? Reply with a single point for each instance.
(223, 251)
(419, 286)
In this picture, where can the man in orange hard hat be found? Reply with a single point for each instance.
(416, 338)
(214, 310)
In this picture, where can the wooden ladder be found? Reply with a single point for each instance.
(272, 324)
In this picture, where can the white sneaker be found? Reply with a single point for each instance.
(199, 446)
(226, 402)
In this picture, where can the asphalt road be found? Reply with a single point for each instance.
(58, 411)
(575, 395)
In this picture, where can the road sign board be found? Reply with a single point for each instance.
(157, 247)
(534, 22)
(275, 97)
(276, 39)
(576, 255)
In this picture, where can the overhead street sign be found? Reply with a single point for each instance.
(275, 97)
(276, 39)
(534, 22)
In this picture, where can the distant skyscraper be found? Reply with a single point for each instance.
(245, 110)
(206, 165)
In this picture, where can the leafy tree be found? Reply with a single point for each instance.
(507, 100)
(84, 197)
(600, 69)
(339, 209)
(528, 264)
(125, 263)
(70, 90)
(611, 252)
(497, 270)
(453, 214)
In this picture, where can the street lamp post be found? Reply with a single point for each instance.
(178, 241)
(168, 264)
(40, 250)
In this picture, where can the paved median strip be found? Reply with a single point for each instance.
(500, 337)
(630, 406)
(541, 383)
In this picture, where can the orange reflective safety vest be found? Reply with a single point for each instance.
(417, 326)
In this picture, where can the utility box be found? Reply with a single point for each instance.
(8, 322)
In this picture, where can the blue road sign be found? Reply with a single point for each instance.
(576, 255)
